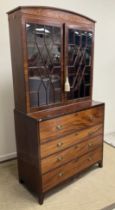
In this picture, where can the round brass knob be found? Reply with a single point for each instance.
(59, 127)
(89, 133)
(59, 144)
(76, 134)
(77, 146)
(90, 144)
(89, 158)
(60, 174)
(91, 117)
(59, 158)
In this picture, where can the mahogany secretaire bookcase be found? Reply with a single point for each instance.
(59, 129)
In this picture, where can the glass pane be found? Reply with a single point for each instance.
(44, 64)
(79, 63)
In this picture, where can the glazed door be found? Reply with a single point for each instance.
(45, 63)
(78, 63)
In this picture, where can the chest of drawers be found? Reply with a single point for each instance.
(53, 149)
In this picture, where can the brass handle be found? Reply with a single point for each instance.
(59, 144)
(59, 158)
(92, 118)
(59, 127)
(89, 133)
(77, 146)
(76, 134)
(60, 174)
(89, 158)
(90, 145)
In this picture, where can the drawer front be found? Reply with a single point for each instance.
(57, 176)
(69, 140)
(60, 126)
(67, 155)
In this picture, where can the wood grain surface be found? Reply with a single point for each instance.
(60, 126)
(60, 144)
(59, 175)
(77, 150)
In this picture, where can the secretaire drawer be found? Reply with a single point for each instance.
(51, 129)
(71, 153)
(60, 174)
(62, 143)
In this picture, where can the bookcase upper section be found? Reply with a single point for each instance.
(52, 57)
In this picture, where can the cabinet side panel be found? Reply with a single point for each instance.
(28, 151)
(17, 61)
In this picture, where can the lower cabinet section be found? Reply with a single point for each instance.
(60, 174)
(53, 150)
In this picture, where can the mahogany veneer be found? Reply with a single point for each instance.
(45, 161)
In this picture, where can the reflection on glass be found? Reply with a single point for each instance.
(44, 64)
(79, 63)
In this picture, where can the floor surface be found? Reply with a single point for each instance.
(110, 138)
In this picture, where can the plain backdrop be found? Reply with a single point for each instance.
(103, 11)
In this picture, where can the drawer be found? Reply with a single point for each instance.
(51, 129)
(57, 176)
(69, 154)
(69, 140)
